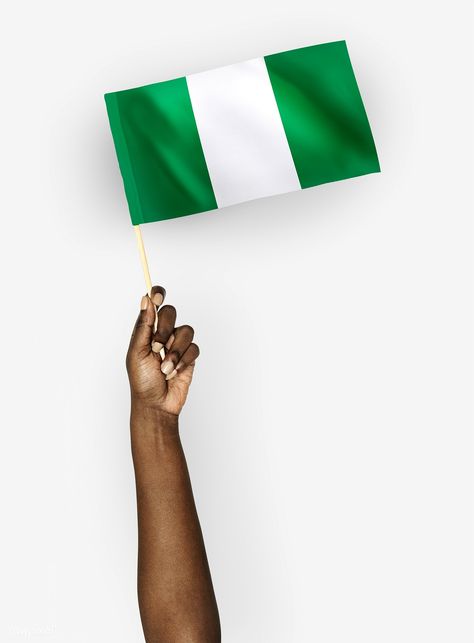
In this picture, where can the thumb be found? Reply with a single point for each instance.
(140, 343)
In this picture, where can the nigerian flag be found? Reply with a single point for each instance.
(266, 126)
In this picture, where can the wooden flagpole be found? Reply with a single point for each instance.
(146, 272)
(143, 259)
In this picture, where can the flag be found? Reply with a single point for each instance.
(267, 126)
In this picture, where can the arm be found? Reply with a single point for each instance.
(175, 593)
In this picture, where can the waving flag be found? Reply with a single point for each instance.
(266, 126)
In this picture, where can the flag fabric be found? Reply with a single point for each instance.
(266, 126)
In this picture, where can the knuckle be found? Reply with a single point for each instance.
(188, 330)
(162, 335)
(168, 310)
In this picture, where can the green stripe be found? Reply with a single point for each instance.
(123, 158)
(322, 113)
(155, 133)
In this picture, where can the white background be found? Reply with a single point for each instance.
(328, 426)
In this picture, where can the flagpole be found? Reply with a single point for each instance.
(143, 259)
(146, 272)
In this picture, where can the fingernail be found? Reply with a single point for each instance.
(144, 302)
(172, 374)
(157, 299)
(179, 365)
(156, 347)
(169, 342)
(167, 367)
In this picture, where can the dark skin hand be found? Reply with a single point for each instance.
(175, 593)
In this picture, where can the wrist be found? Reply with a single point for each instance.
(143, 414)
(155, 443)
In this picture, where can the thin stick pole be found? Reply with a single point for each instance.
(143, 259)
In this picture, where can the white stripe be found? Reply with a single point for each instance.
(241, 133)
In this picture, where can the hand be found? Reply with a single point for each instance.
(156, 383)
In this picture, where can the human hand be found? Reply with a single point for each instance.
(156, 383)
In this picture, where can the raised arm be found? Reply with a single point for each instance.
(175, 593)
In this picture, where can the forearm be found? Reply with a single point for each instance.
(175, 590)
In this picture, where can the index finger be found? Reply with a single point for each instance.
(157, 295)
